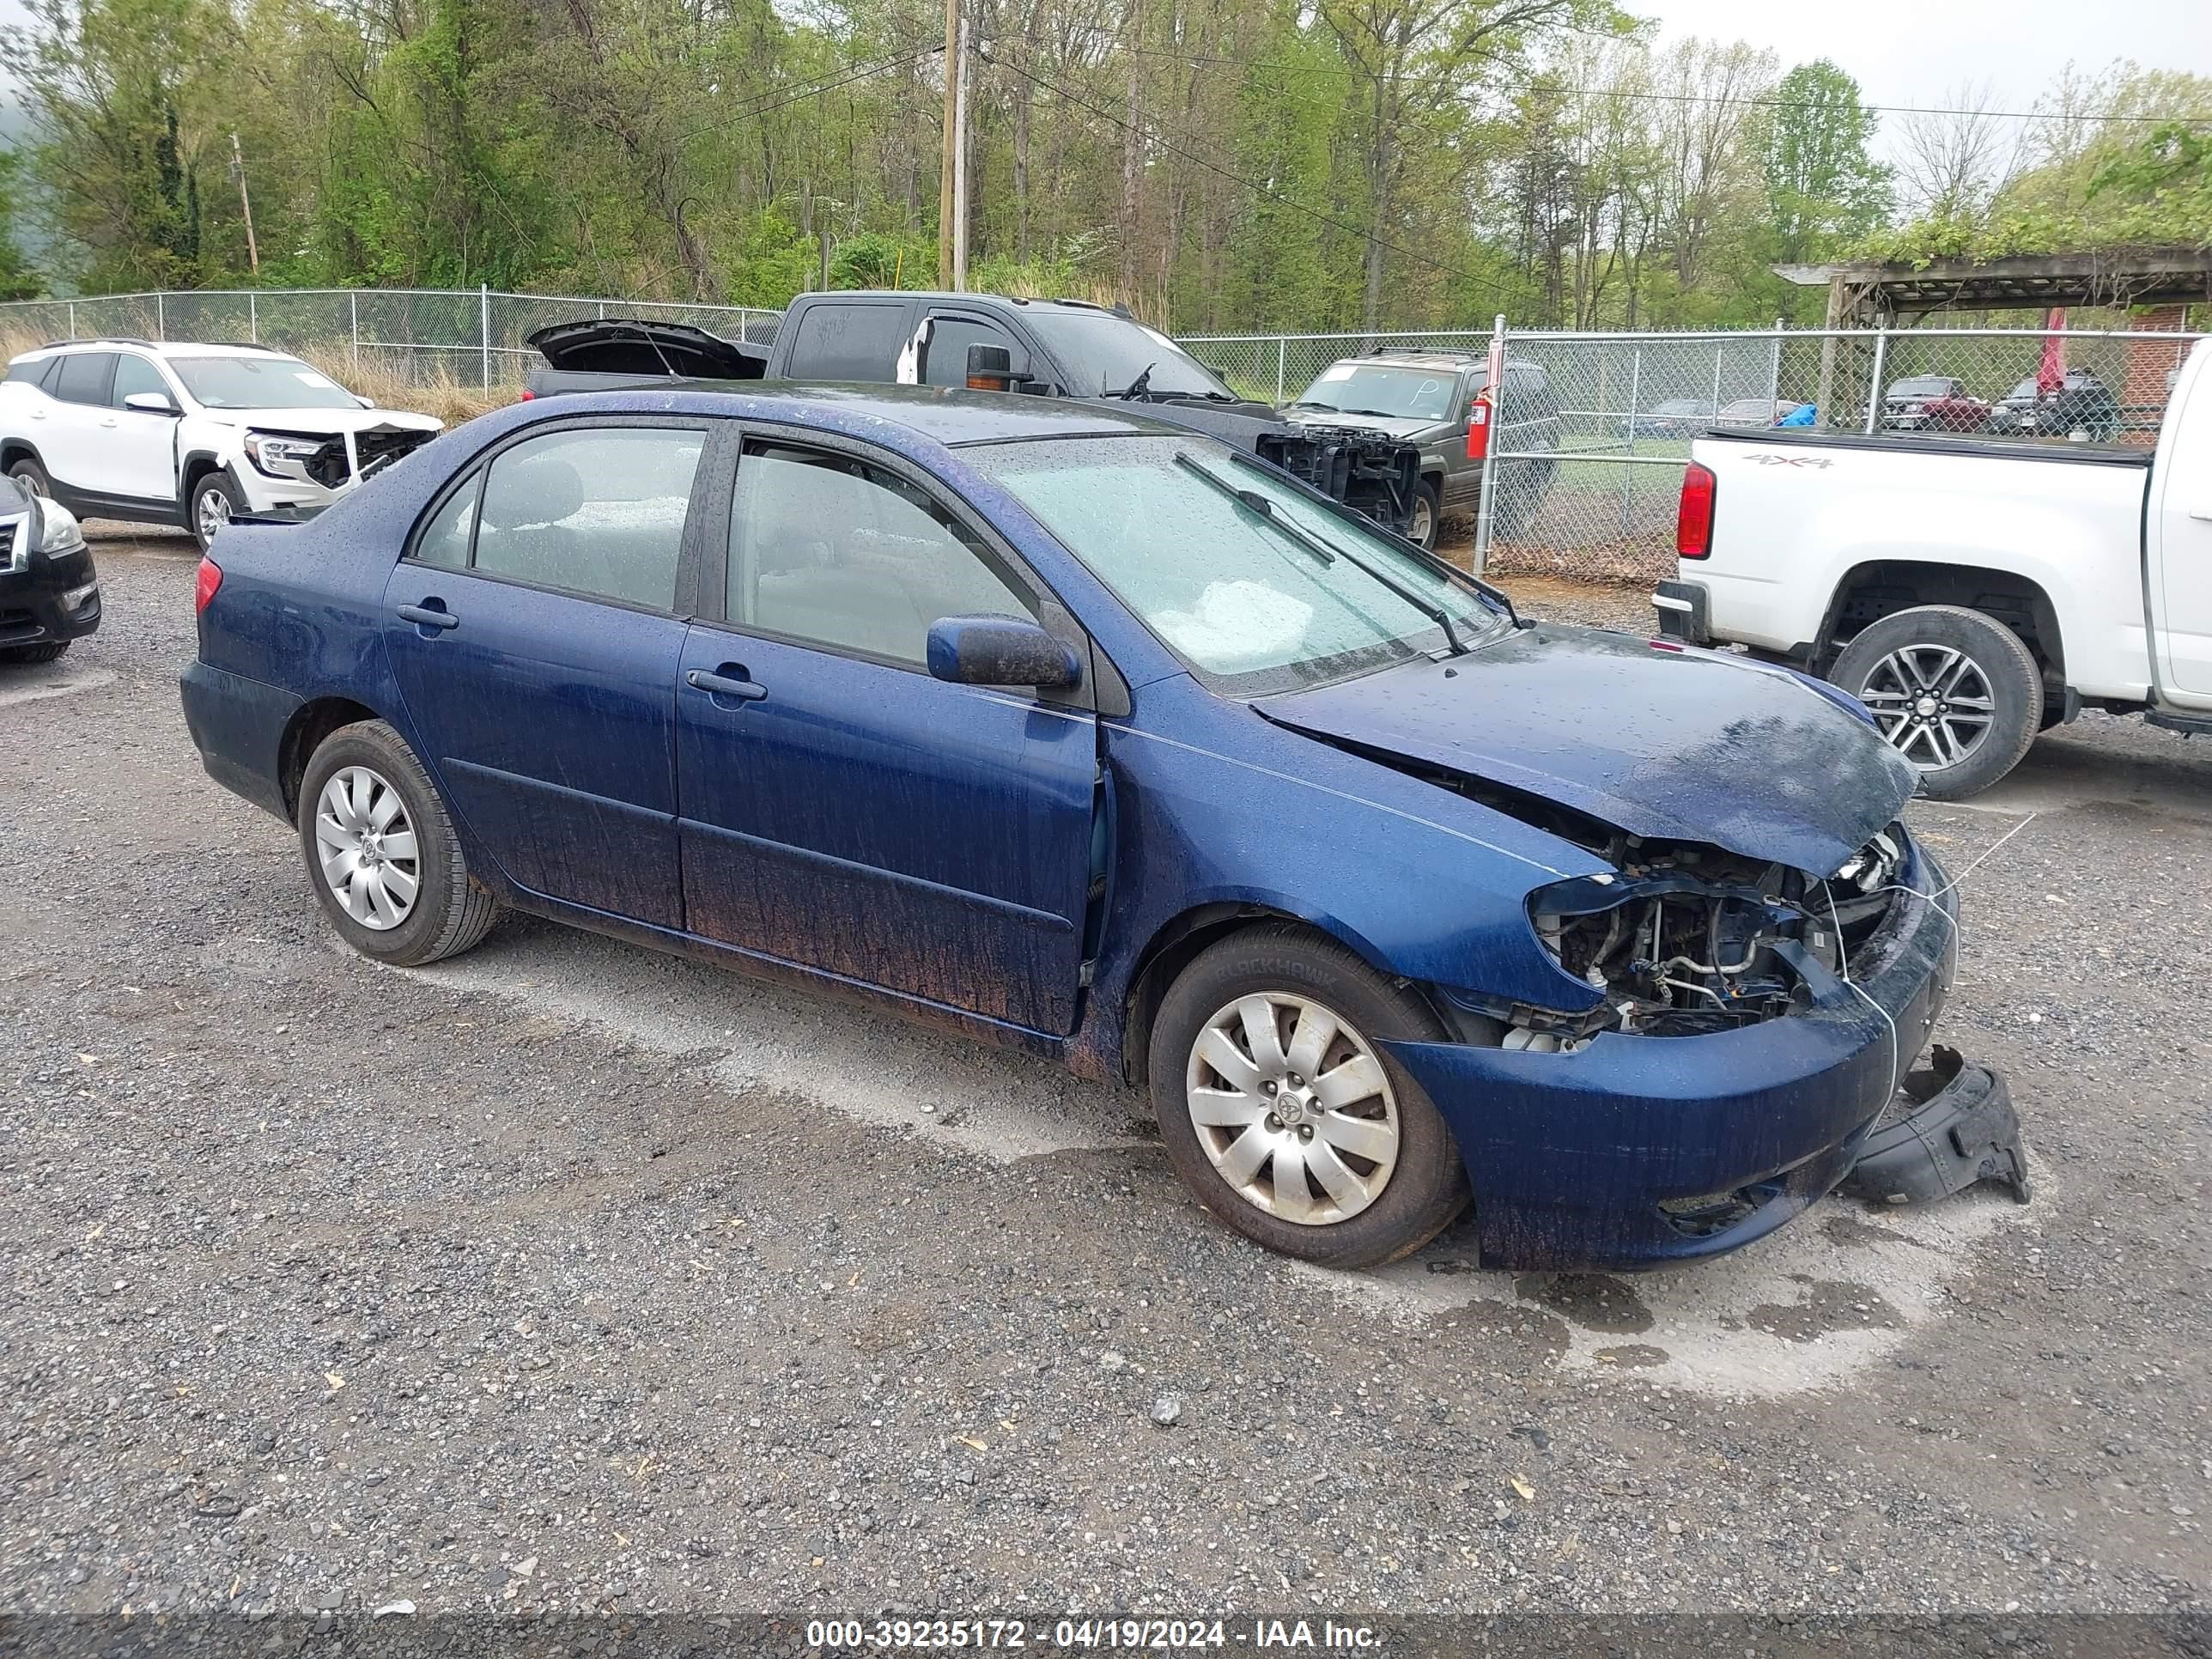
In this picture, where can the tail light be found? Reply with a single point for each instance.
(211, 580)
(1477, 426)
(1693, 517)
(528, 395)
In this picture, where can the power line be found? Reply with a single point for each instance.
(836, 80)
(1763, 101)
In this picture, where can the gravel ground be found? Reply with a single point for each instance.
(568, 1277)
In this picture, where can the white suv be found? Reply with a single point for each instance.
(189, 435)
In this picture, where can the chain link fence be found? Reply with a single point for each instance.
(1589, 461)
(414, 337)
(1590, 458)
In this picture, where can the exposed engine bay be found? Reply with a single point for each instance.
(1687, 939)
(362, 454)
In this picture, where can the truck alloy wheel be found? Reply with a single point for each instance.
(1954, 691)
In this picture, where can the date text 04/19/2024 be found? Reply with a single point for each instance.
(1086, 1635)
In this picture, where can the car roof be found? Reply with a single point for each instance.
(946, 415)
(165, 348)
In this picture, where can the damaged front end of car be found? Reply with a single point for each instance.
(1747, 1040)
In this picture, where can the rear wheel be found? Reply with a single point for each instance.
(382, 853)
(1284, 1112)
(1955, 692)
(33, 477)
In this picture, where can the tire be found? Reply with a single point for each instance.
(1428, 514)
(214, 502)
(1291, 973)
(1912, 660)
(449, 911)
(45, 651)
(33, 477)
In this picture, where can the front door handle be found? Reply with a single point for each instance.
(729, 681)
(423, 617)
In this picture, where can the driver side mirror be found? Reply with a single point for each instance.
(1000, 650)
(150, 403)
(995, 367)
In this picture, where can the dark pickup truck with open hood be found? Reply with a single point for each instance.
(1049, 348)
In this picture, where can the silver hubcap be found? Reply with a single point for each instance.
(214, 513)
(1294, 1109)
(366, 846)
(1933, 703)
(31, 480)
(1424, 521)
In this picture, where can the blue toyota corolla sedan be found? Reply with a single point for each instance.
(1098, 739)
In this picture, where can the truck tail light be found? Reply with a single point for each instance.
(1693, 517)
(1477, 426)
(210, 580)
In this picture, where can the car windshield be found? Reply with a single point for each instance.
(261, 383)
(1929, 387)
(2023, 393)
(1254, 584)
(1107, 353)
(1382, 389)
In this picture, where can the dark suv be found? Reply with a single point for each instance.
(1423, 397)
(49, 595)
(2083, 403)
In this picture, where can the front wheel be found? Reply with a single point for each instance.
(1955, 692)
(215, 503)
(382, 853)
(1421, 525)
(33, 477)
(1284, 1112)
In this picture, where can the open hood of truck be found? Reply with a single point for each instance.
(632, 345)
(1658, 741)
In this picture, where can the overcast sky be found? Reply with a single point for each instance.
(1911, 52)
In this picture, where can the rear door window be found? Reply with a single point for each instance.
(598, 510)
(854, 340)
(84, 377)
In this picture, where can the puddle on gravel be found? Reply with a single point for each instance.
(1806, 1308)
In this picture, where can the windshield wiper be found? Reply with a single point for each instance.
(1136, 388)
(1252, 501)
(1311, 402)
(1327, 552)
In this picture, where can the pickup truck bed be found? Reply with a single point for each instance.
(1970, 591)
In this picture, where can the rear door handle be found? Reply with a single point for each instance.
(423, 617)
(725, 685)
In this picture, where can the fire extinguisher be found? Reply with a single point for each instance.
(1477, 426)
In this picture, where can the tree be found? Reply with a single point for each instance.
(1954, 161)
(1823, 185)
(18, 281)
(1417, 68)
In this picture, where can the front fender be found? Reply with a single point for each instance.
(1215, 804)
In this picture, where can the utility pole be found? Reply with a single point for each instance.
(960, 158)
(246, 204)
(947, 188)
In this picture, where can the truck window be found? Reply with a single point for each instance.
(949, 341)
(855, 340)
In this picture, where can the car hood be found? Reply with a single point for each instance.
(327, 422)
(1666, 743)
(1405, 426)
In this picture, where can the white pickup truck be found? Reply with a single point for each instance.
(1970, 591)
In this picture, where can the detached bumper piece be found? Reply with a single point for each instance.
(1951, 1127)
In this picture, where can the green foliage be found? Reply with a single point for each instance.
(1219, 165)
(18, 280)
